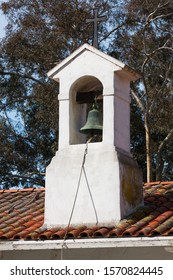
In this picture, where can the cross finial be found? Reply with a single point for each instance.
(95, 21)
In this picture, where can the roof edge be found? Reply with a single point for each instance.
(87, 243)
(22, 190)
(43, 188)
(88, 47)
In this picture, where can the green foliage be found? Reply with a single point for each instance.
(145, 41)
(138, 138)
(39, 35)
(42, 33)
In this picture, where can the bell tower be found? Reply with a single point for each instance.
(93, 183)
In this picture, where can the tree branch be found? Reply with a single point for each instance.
(163, 143)
(159, 6)
(150, 19)
(36, 181)
(112, 31)
(164, 47)
(162, 86)
(8, 120)
(150, 55)
(3, 73)
(138, 101)
(151, 14)
(162, 16)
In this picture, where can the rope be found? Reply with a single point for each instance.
(76, 195)
(91, 195)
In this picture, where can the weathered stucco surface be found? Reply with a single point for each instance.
(147, 253)
(111, 186)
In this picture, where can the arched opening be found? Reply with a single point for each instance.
(83, 93)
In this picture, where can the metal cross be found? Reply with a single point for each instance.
(95, 21)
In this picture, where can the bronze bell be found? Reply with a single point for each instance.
(92, 126)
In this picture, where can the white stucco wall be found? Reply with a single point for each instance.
(111, 186)
(146, 253)
(129, 248)
(86, 65)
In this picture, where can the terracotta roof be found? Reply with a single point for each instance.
(22, 215)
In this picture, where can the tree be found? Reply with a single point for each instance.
(146, 41)
(39, 35)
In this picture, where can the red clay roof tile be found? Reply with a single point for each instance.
(116, 232)
(22, 216)
(102, 232)
(30, 223)
(6, 229)
(49, 233)
(74, 233)
(88, 232)
(130, 231)
(168, 232)
(31, 235)
(60, 233)
(57, 235)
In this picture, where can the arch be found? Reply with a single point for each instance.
(78, 110)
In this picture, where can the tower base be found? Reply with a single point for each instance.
(107, 188)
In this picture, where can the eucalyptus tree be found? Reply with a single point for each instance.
(42, 33)
(146, 41)
(39, 34)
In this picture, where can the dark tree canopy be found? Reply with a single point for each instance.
(42, 33)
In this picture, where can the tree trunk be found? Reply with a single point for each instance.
(159, 161)
(159, 167)
(148, 150)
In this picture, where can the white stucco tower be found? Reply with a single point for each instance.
(114, 183)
